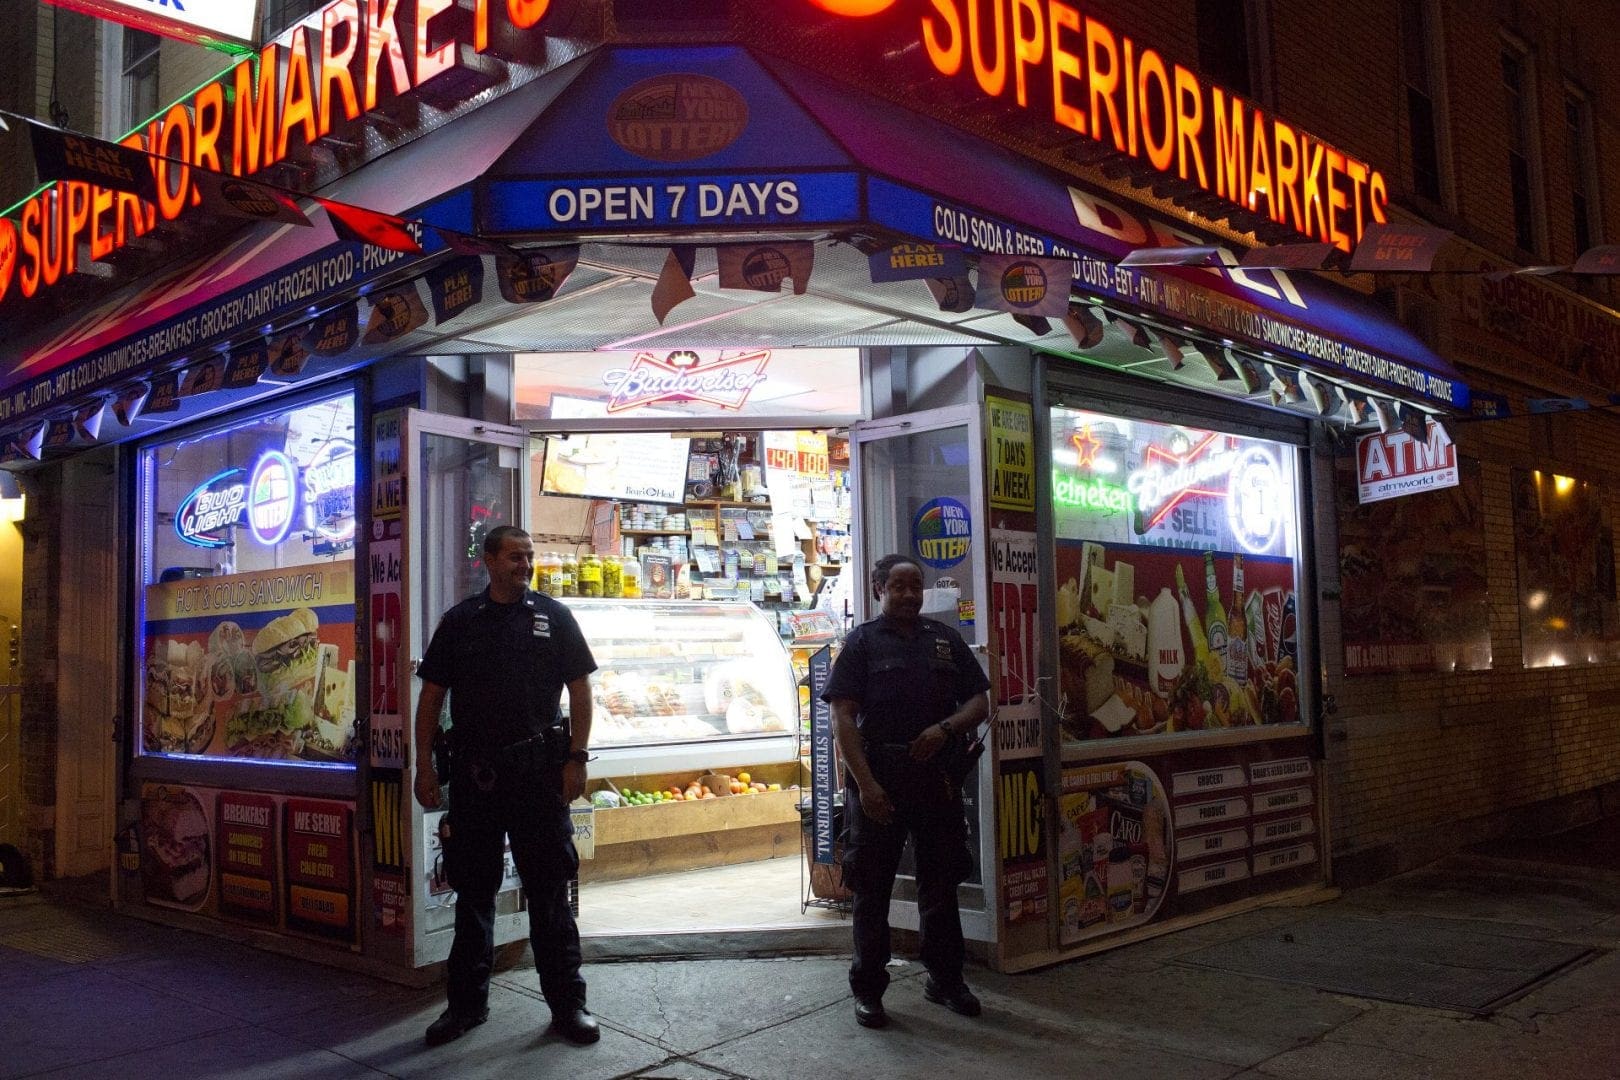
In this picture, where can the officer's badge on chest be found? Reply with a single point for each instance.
(542, 625)
(942, 649)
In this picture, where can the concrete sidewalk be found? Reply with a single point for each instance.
(1345, 990)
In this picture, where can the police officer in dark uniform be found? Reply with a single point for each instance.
(905, 693)
(505, 657)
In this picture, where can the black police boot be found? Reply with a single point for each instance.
(869, 1012)
(959, 999)
(576, 1024)
(449, 1026)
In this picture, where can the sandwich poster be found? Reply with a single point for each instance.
(177, 855)
(257, 665)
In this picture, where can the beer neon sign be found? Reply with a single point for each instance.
(1045, 55)
(723, 381)
(211, 509)
(1168, 477)
(353, 58)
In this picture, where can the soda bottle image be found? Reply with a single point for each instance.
(1237, 642)
(1288, 640)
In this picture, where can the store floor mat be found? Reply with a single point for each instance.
(1435, 963)
(68, 943)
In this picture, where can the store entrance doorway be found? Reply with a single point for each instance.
(11, 786)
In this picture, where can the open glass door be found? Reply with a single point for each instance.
(919, 490)
(462, 478)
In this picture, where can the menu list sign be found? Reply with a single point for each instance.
(319, 868)
(246, 841)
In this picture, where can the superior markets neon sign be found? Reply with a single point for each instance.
(1045, 55)
(354, 58)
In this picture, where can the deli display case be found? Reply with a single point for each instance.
(695, 737)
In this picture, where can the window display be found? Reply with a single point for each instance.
(247, 606)
(1176, 562)
(1566, 571)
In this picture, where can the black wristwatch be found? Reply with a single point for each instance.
(581, 756)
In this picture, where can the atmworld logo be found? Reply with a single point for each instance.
(724, 380)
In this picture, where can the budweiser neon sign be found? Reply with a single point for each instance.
(354, 57)
(1049, 57)
(1167, 477)
(724, 381)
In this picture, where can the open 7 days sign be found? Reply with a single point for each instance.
(1394, 464)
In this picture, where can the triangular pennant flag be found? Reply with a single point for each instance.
(455, 287)
(1603, 259)
(239, 197)
(466, 244)
(1491, 406)
(165, 395)
(674, 284)
(1035, 324)
(66, 155)
(1390, 247)
(1287, 257)
(954, 294)
(1172, 256)
(287, 355)
(394, 314)
(1084, 325)
(247, 364)
(535, 276)
(203, 376)
(31, 442)
(87, 421)
(910, 262)
(363, 226)
(334, 332)
(1415, 422)
(59, 434)
(129, 402)
(763, 267)
(1024, 284)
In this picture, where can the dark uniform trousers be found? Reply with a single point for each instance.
(524, 801)
(929, 810)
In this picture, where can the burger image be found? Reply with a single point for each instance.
(269, 726)
(175, 868)
(288, 653)
(177, 717)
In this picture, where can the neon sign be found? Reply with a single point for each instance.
(723, 381)
(349, 59)
(1255, 506)
(329, 492)
(1089, 493)
(1168, 477)
(211, 508)
(1045, 56)
(272, 497)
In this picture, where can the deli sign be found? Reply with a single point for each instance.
(1389, 465)
(199, 21)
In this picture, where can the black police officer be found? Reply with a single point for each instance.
(903, 688)
(505, 656)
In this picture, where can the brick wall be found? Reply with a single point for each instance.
(39, 730)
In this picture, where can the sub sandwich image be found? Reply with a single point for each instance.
(177, 717)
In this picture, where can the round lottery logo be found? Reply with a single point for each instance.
(941, 533)
(1023, 284)
(765, 268)
(272, 497)
(677, 117)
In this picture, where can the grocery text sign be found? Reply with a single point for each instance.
(1392, 464)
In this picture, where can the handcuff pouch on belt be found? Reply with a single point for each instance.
(548, 748)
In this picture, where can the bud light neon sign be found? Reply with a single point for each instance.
(211, 509)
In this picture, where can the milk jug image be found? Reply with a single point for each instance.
(1165, 656)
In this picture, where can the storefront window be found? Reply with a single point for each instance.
(1177, 568)
(247, 599)
(1566, 571)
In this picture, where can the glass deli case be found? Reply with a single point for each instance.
(682, 684)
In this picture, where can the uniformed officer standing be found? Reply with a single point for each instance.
(505, 656)
(903, 692)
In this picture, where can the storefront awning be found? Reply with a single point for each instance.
(637, 148)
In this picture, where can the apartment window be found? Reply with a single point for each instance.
(1582, 167)
(140, 70)
(1418, 69)
(1223, 44)
(1522, 165)
(280, 14)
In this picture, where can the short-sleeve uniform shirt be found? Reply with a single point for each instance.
(505, 666)
(904, 683)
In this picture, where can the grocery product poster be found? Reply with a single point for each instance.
(1115, 847)
(1567, 609)
(1159, 640)
(318, 840)
(257, 665)
(245, 838)
(1412, 587)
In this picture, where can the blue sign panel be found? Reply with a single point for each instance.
(583, 206)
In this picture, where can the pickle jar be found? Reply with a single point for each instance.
(630, 577)
(568, 576)
(590, 574)
(612, 576)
